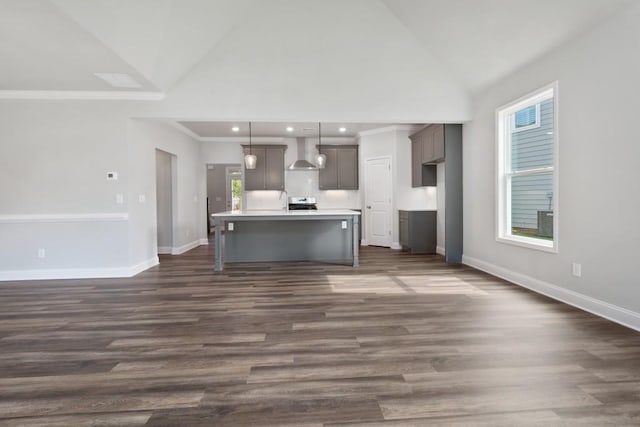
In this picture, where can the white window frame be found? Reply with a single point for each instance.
(504, 128)
(535, 124)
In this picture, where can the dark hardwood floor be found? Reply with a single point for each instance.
(404, 340)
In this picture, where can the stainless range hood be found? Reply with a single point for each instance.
(302, 164)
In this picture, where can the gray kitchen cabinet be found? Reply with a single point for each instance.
(341, 170)
(438, 143)
(422, 175)
(427, 149)
(426, 137)
(416, 162)
(418, 231)
(269, 171)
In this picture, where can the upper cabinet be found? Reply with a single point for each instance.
(427, 148)
(341, 170)
(269, 171)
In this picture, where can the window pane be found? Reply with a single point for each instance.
(533, 148)
(525, 117)
(532, 206)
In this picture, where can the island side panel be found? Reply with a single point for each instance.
(218, 222)
(355, 227)
(288, 240)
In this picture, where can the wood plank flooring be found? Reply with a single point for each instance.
(404, 340)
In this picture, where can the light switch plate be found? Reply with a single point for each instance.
(344, 225)
(119, 198)
(142, 198)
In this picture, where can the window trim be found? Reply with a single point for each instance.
(535, 124)
(503, 125)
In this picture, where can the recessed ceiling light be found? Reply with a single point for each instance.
(289, 129)
(235, 128)
(343, 129)
(119, 80)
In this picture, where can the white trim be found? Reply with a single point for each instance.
(142, 266)
(363, 242)
(628, 318)
(164, 250)
(385, 129)
(45, 218)
(184, 248)
(242, 139)
(440, 250)
(396, 246)
(114, 95)
(182, 128)
(78, 273)
(204, 241)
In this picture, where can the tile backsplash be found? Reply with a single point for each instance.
(303, 183)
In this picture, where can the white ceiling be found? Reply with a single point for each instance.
(208, 129)
(480, 41)
(41, 48)
(59, 44)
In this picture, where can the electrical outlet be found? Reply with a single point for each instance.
(142, 198)
(229, 226)
(576, 269)
(42, 253)
(119, 198)
(344, 225)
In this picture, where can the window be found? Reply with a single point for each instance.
(527, 150)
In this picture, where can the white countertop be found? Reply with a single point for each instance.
(283, 213)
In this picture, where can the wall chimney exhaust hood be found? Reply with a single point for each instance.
(302, 164)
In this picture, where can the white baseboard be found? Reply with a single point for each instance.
(441, 250)
(204, 241)
(142, 266)
(396, 246)
(77, 273)
(164, 250)
(363, 243)
(620, 315)
(184, 248)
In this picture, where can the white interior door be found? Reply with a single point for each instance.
(378, 213)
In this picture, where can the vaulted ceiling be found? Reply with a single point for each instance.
(246, 56)
(58, 44)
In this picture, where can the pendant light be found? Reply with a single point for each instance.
(250, 159)
(321, 159)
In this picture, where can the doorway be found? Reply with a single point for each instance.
(224, 189)
(165, 200)
(378, 203)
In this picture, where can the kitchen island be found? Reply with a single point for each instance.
(313, 235)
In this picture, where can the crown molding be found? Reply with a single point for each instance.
(242, 139)
(393, 128)
(182, 128)
(82, 95)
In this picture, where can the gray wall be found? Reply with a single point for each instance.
(164, 200)
(598, 173)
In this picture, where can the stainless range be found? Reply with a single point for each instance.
(302, 203)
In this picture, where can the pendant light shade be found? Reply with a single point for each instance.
(250, 160)
(321, 159)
